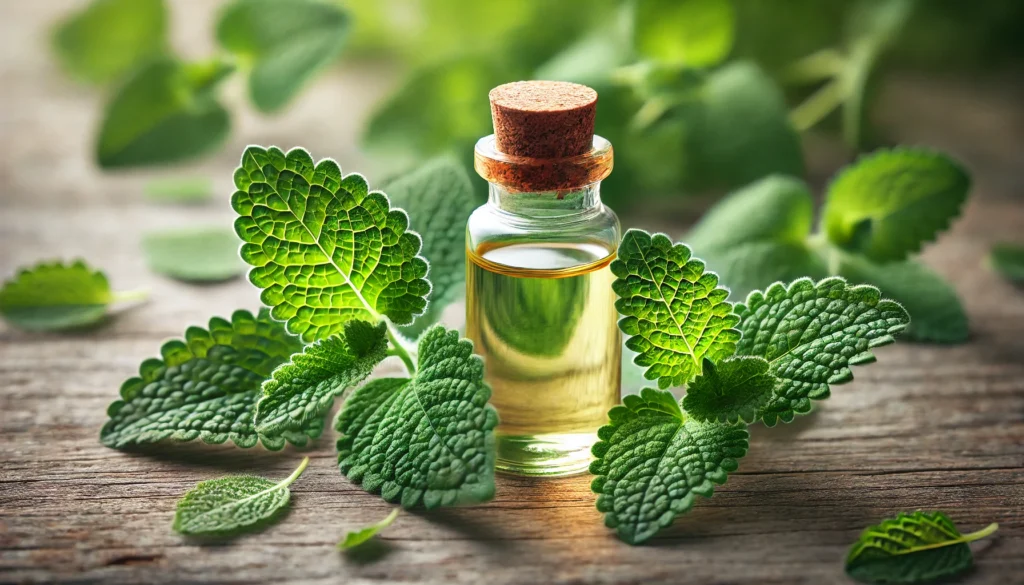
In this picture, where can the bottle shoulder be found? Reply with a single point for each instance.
(488, 225)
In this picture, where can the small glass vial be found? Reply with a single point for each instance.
(540, 306)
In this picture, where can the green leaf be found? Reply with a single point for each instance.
(1008, 260)
(428, 440)
(674, 313)
(811, 334)
(355, 538)
(653, 460)
(921, 547)
(233, 505)
(52, 296)
(206, 387)
(936, 314)
(325, 248)
(735, 389)
(591, 58)
(180, 190)
(303, 389)
(743, 268)
(889, 203)
(440, 195)
(284, 43)
(110, 37)
(195, 254)
(166, 112)
(690, 33)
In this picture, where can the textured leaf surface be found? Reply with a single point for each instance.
(52, 296)
(428, 440)
(440, 196)
(653, 460)
(356, 537)
(303, 389)
(811, 334)
(285, 43)
(1008, 261)
(888, 204)
(325, 248)
(674, 312)
(231, 505)
(110, 37)
(205, 387)
(203, 254)
(735, 389)
(921, 547)
(694, 33)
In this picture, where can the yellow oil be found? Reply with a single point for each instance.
(543, 317)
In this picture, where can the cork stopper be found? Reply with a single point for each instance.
(543, 119)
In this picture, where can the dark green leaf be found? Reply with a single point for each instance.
(1008, 261)
(197, 254)
(735, 389)
(690, 33)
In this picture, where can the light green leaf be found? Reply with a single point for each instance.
(811, 334)
(52, 296)
(325, 248)
(355, 538)
(180, 190)
(206, 387)
(735, 389)
(690, 33)
(284, 43)
(591, 58)
(674, 312)
(303, 389)
(653, 460)
(110, 37)
(1008, 261)
(743, 268)
(440, 196)
(165, 112)
(889, 203)
(428, 440)
(232, 505)
(195, 254)
(921, 547)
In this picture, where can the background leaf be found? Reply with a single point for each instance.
(180, 190)
(109, 38)
(691, 33)
(1008, 261)
(196, 254)
(53, 296)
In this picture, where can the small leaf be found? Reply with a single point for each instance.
(286, 43)
(426, 441)
(921, 547)
(233, 505)
(691, 33)
(203, 254)
(110, 37)
(735, 389)
(1008, 261)
(887, 204)
(674, 312)
(303, 389)
(355, 538)
(166, 112)
(180, 190)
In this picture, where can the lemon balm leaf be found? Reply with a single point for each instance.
(735, 389)
(324, 248)
(357, 537)
(203, 254)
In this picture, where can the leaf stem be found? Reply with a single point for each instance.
(963, 539)
(820, 104)
(295, 474)
(815, 67)
(971, 537)
(398, 349)
(139, 294)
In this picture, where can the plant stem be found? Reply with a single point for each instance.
(399, 350)
(820, 104)
(140, 294)
(295, 474)
(981, 533)
(815, 67)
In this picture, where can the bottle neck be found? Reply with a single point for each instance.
(571, 204)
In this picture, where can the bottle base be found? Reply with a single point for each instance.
(549, 455)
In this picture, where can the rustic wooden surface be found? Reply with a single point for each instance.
(928, 427)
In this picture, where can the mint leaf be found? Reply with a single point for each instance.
(674, 312)
(428, 440)
(653, 460)
(735, 389)
(747, 267)
(232, 505)
(165, 112)
(889, 203)
(690, 33)
(284, 43)
(811, 334)
(440, 195)
(196, 254)
(357, 537)
(325, 248)
(1008, 261)
(53, 296)
(303, 389)
(921, 547)
(206, 387)
(110, 37)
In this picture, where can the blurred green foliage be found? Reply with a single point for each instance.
(110, 38)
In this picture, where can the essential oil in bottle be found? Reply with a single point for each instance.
(540, 307)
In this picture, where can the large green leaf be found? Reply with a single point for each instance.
(743, 268)
(325, 248)
(194, 254)
(691, 33)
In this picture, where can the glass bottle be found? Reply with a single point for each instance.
(540, 306)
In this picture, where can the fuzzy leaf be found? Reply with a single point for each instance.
(674, 312)
(653, 460)
(325, 248)
(303, 389)
(811, 334)
(921, 547)
(195, 254)
(357, 537)
(887, 204)
(52, 296)
(206, 387)
(735, 389)
(232, 505)
(1008, 261)
(428, 440)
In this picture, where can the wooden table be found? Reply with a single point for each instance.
(927, 427)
